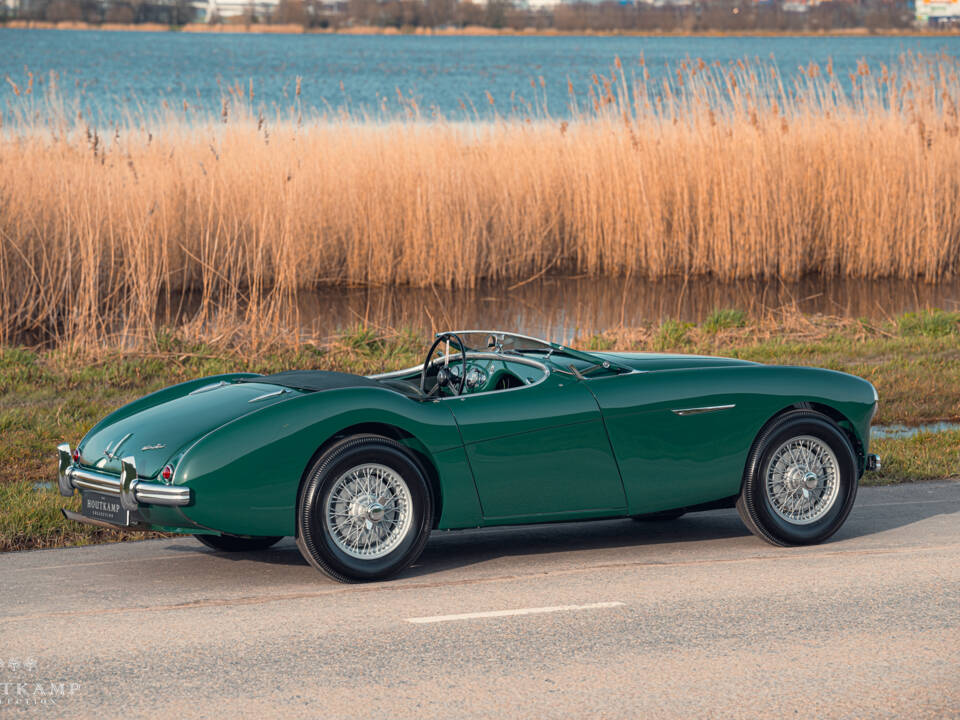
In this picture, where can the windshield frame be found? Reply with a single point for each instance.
(550, 348)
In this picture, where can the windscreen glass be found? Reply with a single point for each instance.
(500, 342)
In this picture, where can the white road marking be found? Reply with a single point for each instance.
(510, 613)
(911, 502)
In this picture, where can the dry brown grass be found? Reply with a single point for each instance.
(725, 171)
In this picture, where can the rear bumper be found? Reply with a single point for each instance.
(873, 462)
(127, 486)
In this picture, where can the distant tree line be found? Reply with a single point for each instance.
(169, 12)
(604, 16)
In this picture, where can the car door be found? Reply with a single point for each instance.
(539, 452)
(681, 437)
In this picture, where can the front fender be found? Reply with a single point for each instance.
(670, 459)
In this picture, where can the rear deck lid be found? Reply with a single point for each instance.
(154, 434)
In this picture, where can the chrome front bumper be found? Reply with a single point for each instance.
(131, 491)
(873, 463)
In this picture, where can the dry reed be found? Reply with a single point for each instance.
(727, 171)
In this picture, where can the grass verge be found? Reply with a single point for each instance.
(31, 519)
(925, 456)
(51, 396)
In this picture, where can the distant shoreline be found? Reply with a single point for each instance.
(467, 31)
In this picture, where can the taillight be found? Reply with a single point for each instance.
(166, 473)
(76, 454)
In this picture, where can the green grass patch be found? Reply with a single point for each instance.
(917, 378)
(672, 335)
(49, 398)
(925, 456)
(31, 518)
(599, 343)
(724, 319)
(929, 323)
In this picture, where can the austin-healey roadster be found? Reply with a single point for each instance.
(493, 428)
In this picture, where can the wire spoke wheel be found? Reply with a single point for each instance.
(368, 511)
(365, 510)
(802, 480)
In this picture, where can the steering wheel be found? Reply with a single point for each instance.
(445, 378)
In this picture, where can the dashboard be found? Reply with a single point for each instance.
(489, 375)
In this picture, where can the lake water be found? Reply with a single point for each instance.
(908, 431)
(104, 70)
(563, 308)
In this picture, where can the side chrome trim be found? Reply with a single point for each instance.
(701, 410)
(131, 491)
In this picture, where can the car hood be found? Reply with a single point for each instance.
(663, 361)
(155, 432)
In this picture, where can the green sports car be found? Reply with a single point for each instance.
(493, 429)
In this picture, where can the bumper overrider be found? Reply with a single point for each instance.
(132, 491)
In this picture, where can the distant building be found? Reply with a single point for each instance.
(798, 6)
(214, 10)
(938, 11)
(538, 4)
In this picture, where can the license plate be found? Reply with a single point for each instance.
(107, 508)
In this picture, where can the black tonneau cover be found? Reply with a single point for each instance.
(318, 380)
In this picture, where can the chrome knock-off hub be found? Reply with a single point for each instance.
(368, 511)
(368, 508)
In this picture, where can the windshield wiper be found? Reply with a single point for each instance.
(576, 372)
(582, 374)
(605, 365)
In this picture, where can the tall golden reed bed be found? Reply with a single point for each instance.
(729, 171)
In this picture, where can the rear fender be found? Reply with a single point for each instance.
(246, 475)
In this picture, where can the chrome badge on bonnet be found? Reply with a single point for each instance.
(112, 452)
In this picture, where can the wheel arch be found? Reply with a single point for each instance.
(750, 508)
(415, 448)
(843, 423)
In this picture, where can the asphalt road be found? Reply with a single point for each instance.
(692, 618)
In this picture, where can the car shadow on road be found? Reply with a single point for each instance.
(283, 553)
(447, 551)
(458, 548)
(450, 550)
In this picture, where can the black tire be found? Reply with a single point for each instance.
(316, 539)
(755, 507)
(662, 516)
(233, 543)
